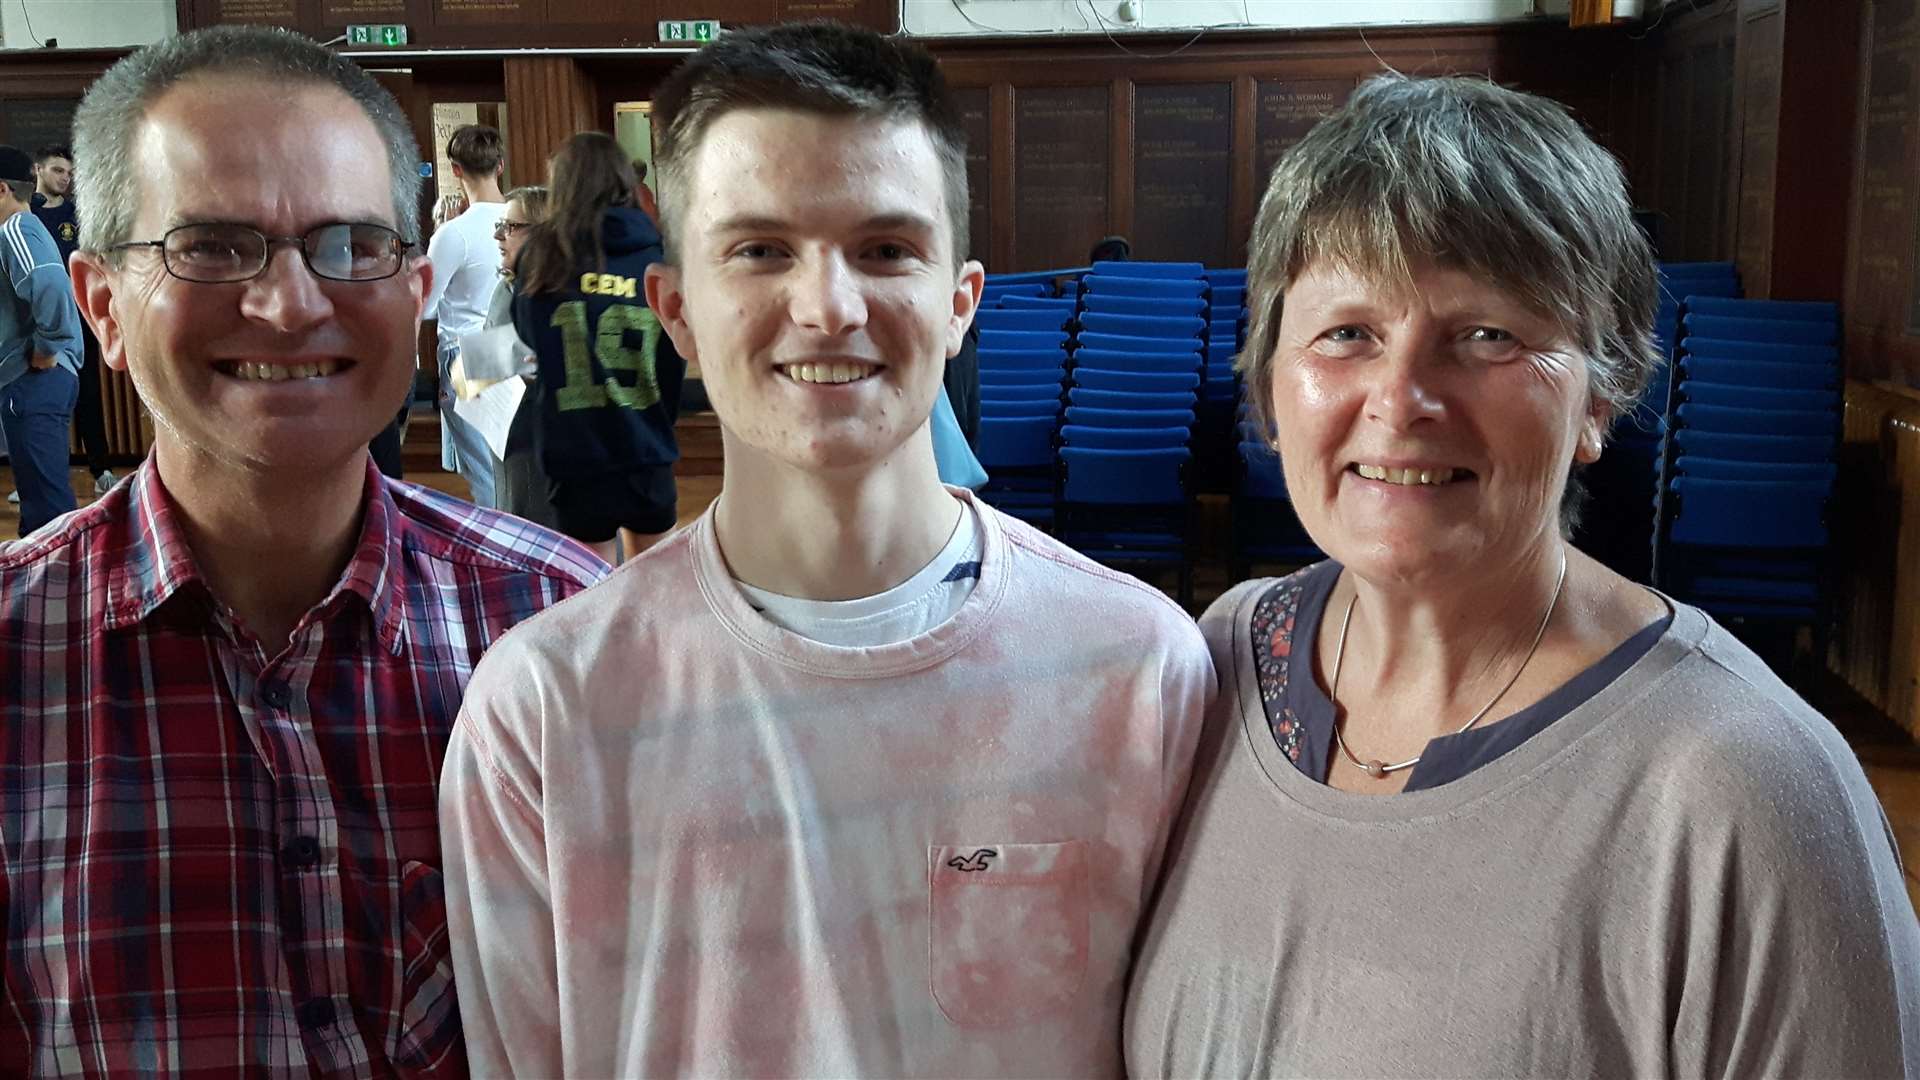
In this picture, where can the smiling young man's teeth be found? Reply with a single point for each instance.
(828, 373)
(1407, 476)
(281, 372)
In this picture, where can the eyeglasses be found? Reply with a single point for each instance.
(218, 253)
(504, 228)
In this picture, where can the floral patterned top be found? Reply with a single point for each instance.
(1302, 716)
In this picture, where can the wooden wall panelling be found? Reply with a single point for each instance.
(1759, 48)
(976, 108)
(1273, 89)
(1183, 172)
(1709, 202)
(1246, 184)
(548, 99)
(1819, 102)
(1691, 184)
(419, 113)
(129, 428)
(1639, 80)
(1876, 644)
(1121, 154)
(1000, 166)
(1880, 284)
(40, 89)
(1667, 194)
(522, 23)
(1062, 161)
(346, 12)
(1742, 138)
(293, 14)
(1285, 110)
(1793, 145)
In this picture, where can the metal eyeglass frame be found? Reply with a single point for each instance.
(401, 247)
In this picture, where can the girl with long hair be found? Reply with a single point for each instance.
(609, 379)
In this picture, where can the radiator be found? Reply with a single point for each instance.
(1876, 642)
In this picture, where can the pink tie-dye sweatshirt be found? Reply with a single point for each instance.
(683, 841)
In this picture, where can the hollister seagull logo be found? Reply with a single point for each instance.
(975, 861)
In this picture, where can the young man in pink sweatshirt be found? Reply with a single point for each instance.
(854, 776)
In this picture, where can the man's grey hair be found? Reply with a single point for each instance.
(108, 120)
(1461, 172)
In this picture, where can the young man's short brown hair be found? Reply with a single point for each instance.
(477, 149)
(815, 67)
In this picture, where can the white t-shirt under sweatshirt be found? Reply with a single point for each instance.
(916, 605)
(683, 840)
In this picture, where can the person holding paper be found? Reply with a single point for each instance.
(464, 268)
(518, 480)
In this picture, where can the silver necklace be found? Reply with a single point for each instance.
(1380, 770)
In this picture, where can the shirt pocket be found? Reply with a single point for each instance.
(429, 1043)
(1007, 930)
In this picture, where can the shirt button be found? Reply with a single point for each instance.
(302, 852)
(276, 695)
(315, 1012)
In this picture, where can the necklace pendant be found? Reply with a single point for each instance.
(1377, 769)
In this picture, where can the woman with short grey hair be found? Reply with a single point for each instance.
(1471, 804)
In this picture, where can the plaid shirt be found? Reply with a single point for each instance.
(220, 862)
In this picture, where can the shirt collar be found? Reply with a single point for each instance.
(152, 561)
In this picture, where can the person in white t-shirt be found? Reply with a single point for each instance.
(466, 267)
(854, 775)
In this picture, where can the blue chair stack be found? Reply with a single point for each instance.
(1025, 327)
(1226, 330)
(1265, 527)
(1214, 436)
(1748, 471)
(1135, 383)
(1617, 529)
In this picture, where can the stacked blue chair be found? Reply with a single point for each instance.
(1214, 437)
(1617, 529)
(1749, 464)
(1265, 527)
(1226, 328)
(1134, 388)
(1025, 327)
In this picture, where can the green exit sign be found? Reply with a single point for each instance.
(698, 30)
(383, 34)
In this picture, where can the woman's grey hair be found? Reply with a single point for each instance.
(533, 197)
(108, 120)
(1461, 172)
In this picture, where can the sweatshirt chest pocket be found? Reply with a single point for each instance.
(1007, 933)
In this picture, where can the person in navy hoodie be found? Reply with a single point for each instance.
(39, 350)
(53, 204)
(609, 379)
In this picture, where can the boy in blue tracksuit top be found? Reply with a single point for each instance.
(39, 350)
(609, 387)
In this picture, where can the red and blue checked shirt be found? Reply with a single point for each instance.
(220, 862)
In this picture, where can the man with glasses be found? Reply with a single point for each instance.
(39, 350)
(466, 266)
(227, 687)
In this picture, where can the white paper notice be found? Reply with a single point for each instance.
(491, 414)
(495, 353)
